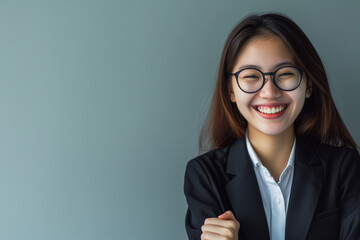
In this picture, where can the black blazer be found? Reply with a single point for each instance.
(324, 201)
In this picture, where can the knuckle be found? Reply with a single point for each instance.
(232, 225)
(203, 236)
(229, 233)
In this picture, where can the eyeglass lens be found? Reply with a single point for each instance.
(286, 78)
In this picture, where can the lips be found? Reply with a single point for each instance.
(270, 111)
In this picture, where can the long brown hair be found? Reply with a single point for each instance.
(319, 117)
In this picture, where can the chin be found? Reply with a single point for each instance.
(273, 130)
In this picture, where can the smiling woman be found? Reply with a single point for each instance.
(281, 163)
(262, 110)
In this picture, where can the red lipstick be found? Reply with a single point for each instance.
(267, 108)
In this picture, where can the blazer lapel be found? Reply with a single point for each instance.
(305, 190)
(244, 194)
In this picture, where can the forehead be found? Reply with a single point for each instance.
(265, 51)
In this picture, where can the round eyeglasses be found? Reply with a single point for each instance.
(251, 80)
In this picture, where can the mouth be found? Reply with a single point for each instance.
(272, 111)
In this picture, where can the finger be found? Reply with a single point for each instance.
(222, 231)
(222, 223)
(228, 215)
(211, 236)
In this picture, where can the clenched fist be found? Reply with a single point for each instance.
(224, 227)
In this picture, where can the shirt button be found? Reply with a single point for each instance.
(277, 201)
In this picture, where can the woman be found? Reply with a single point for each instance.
(282, 164)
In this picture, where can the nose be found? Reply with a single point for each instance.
(269, 90)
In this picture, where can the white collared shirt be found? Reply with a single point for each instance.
(275, 195)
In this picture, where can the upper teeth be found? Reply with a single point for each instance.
(270, 110)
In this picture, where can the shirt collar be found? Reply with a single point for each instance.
(255, 159)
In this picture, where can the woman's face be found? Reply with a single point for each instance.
(267, 53)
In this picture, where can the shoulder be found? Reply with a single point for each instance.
(343, 162)
(341, 154)
(209, 162)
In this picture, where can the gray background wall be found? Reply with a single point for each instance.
(101, 103)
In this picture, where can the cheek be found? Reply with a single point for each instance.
(243, 102)
(298, 96)
(299, 100)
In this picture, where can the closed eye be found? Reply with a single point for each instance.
(286, 74)
(251, 76)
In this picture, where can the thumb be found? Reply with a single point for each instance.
(228, 215)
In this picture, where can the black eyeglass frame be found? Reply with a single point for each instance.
(272, 74)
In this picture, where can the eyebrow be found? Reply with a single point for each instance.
(276, 66)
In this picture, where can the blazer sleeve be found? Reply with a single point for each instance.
(350, 196)
(200, 198)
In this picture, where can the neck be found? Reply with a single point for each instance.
(273, 150)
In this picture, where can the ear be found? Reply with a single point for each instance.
(231, 92)
(309, 87)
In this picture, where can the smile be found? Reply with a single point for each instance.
(271, 110)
